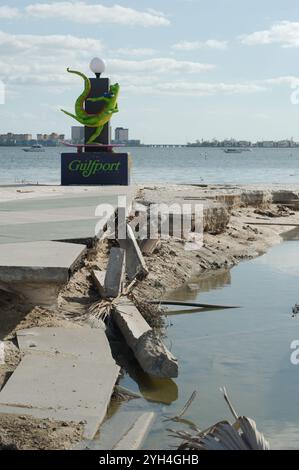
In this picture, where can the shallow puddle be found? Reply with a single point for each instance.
(247, 350)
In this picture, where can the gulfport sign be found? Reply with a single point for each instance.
(100, 168)
(91, 167)
(94, 108)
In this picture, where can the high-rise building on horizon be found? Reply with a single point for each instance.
(121, 134)
(78, 134)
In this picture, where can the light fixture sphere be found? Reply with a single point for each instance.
(97, 66)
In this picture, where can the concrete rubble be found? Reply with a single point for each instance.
(37, 270)
(135, 264)
(149, 350)
(54, 379)
(115, 274)
(99, 280)
(126, 430)
(147, 247)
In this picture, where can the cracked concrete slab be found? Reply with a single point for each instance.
(55, 213)
(41, 262)
(65, 375)
(125, 430)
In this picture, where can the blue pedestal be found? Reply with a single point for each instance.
(95, 168)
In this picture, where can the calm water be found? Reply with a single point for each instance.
(177, 165)
(247, 350)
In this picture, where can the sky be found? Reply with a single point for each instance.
(188, 69)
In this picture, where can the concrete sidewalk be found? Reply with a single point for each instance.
(55, 212)
(35, 219)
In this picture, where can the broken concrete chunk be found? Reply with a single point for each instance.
(148, 246)
(136, 434)
(41, 262)
(135, 264)
(154, 357)
(99, 280)
(115, 274)
(125, 430)
(65, 375)
(149, 350)
(130, 321)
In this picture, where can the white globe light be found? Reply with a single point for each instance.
(97, 66)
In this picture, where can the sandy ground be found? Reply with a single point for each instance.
(33, 434)
(170, 266)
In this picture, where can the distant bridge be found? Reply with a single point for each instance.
(165, 145)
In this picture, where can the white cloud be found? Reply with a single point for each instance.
(151, 84)
(288, 80)
(27, 58)
(47, 45)
(137, 52)
(42, 61)
(82, 12)
(158, 65)
(196, 45)
(203, 88)
(7, 12)
(285, 33)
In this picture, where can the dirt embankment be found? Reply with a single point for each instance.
(228, 239)
(171, 265)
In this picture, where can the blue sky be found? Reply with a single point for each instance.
(188, 69)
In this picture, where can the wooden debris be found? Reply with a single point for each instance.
(283, 224)
(179, 417)
(191, 304)
(115, 274)
(125, 392)
(241, 435)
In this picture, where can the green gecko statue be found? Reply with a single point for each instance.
(94, 120)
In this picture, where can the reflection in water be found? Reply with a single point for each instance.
(164, 391)
(205, 282)
(247, 350)
(157, 390)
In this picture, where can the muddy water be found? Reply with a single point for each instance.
(246, 349)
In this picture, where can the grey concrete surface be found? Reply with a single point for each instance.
(135, 263)
(42, 262)
(115, 274)
(125, 430)
(99, 281)
(54, 213)
(149, 350)
(65, 375)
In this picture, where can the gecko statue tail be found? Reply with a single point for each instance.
(99, 119)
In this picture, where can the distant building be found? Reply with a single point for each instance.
(133, 143)
(78, 134)
(285, 143)
(268, 143)
(121, 135)
(11, 139)
(50, 140)
(15, 139)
